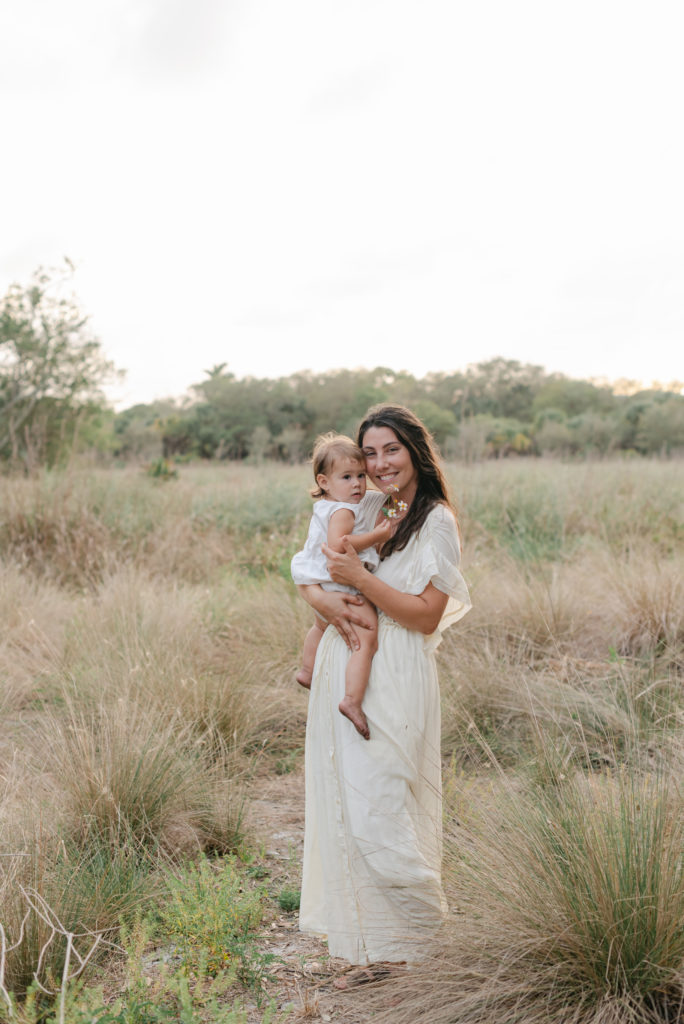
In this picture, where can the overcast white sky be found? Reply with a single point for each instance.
(292, 184)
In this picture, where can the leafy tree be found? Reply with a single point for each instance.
(140, 431)
(226, 415)
(470, 444)
(500, 387)
(572, 397)
(553, 436)
(440, 422)
(507, 437)
(260, 444)
(291, 444)
(52, 369)
(629, 420)
(494, 409)
(591, 432)
(549, 414)
(447, 390)
(661, 427)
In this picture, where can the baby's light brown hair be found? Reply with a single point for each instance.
(327, 449)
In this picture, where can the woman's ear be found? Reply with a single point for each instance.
(322, 482)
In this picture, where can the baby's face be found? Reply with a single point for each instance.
(346, 481)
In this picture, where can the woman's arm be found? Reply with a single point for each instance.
(421, 612)
(337, 608)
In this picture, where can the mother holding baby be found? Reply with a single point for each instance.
(372, 850)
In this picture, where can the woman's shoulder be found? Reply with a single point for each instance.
(441, 515)
(437, 554)
(373, 499)
(442, 512)
(440, 527)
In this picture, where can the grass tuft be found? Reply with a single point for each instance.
(121, 769)
(570, 901)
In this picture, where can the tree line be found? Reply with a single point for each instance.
(53, 370)
(492, 409)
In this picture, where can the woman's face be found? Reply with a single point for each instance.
(388, 463)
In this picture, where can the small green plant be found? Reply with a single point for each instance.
(289, 761)
(258, 871)
(161, 469)
(170, 1001)
(288, 899)
(211, 913)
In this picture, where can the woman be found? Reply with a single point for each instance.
(372, 851)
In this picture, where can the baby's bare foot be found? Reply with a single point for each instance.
(304, 678)
(353, 712)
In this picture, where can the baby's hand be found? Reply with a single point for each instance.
(385, 529)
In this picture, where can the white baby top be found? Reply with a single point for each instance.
(309, 565)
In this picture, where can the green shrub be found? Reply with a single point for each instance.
(211, 912)
(288, 900)
(161, 469)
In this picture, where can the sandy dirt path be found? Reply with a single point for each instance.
(305, 976)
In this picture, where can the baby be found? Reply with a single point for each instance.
(340, 474)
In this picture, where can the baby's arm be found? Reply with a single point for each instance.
(341, 525)
(378, 535)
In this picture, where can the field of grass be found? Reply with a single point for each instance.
(149, 640)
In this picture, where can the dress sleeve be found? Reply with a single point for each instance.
(437, 561)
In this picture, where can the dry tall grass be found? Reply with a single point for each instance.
(567, 906)
(150, 638)
(120, 772)
(77, 527)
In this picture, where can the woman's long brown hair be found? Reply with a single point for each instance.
(432, 487)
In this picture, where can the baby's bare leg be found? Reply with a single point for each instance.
(311, 642)
(358, 671)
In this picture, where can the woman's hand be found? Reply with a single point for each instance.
(345, 566)
(338, 608)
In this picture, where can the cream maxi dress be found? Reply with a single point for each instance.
(372, 849)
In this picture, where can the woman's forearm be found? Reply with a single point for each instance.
(421, 612)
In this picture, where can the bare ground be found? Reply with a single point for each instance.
(304, 978)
